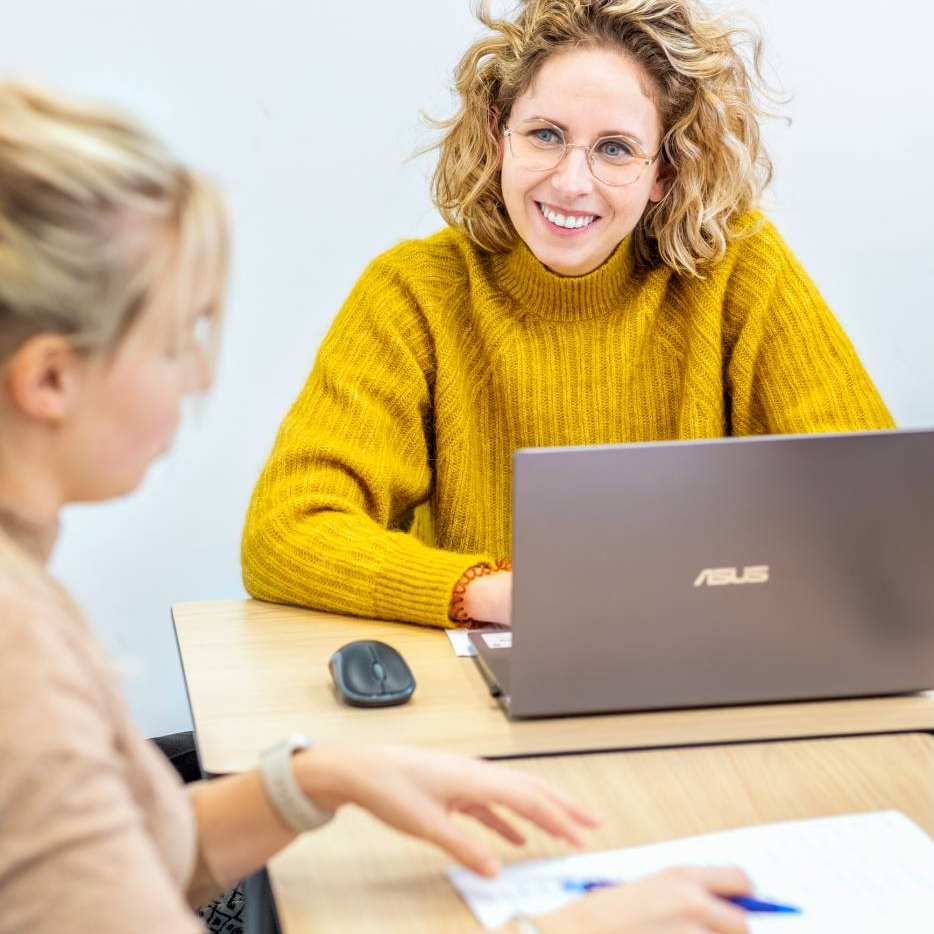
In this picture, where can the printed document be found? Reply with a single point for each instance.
(854, 874)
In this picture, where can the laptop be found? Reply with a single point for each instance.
(728, 571)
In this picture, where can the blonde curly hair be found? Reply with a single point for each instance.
(708, 98)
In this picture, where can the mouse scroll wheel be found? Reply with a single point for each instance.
(378, 671)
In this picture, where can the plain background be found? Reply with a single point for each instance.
(307, 113)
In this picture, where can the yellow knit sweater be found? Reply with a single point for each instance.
(391, 474)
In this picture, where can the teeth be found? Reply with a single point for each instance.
(570, 223)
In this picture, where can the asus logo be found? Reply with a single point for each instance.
(718, 577)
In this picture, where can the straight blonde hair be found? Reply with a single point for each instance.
(93, 209)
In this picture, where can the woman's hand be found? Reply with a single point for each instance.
(416, 791)
(677, 901)
(488, 599)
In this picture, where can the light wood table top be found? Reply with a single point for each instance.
(356, 876)
(257, 672)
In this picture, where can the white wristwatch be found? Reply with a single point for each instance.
(295, 808)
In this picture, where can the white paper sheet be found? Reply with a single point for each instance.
(460, 642)
(853, 874)
(460, 639)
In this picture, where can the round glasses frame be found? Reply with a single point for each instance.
(641, 161)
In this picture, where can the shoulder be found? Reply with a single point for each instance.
(756, 244)
(755, 254)
(404, 289)
(758, 266)
(419, 263)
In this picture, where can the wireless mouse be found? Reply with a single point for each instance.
(371, 674)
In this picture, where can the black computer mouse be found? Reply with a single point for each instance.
(371, 674)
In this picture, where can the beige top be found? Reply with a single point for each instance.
(96, 831)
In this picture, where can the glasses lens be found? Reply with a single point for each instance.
(538, 149)
(614, 162)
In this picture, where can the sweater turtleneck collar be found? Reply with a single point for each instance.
(544, 294)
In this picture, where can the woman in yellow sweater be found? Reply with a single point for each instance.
(605, 277)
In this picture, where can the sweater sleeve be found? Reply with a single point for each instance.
(76, 849)
(792, 368)
(325, 526)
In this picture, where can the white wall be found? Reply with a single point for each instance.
(307, 113)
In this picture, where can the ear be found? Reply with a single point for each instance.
(44, 377)
(662, 183)
(496, 129)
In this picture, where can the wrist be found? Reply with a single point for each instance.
(483, 594)
(322, 775)
(486, 598)
(295, 808)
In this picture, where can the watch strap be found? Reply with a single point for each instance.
(296, 809)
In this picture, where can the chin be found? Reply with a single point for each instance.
(117, 489)
(119, 484)
(568, 265)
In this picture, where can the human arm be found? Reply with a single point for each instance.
(791, 368)
(414, 791)
(678, 901)
(352, 460)
(76, 849)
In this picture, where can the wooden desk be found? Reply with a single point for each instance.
(356, 876)
(257, 672)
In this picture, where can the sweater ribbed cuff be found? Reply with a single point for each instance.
(414, 583)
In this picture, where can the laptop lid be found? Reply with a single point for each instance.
(727, 571)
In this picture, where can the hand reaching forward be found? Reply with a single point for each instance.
(416, 791)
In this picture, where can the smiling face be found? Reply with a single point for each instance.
(570, 220)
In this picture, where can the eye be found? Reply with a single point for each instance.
(615, 150)
(545, 137)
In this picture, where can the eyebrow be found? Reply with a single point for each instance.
(633, 136)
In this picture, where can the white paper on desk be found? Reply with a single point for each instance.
(460, 639)
(854, 874)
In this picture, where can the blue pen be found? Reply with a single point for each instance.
(741, 901)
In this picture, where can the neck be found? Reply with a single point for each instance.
(542, 293)
(30, 498)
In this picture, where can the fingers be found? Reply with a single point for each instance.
(568, 805)
(722, 917)
(435, 825)
(701, 893)
(532, 800)
(445, 783)
(497, 824)
(577, 813)
(721, 880)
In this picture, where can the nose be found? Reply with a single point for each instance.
(572, 176)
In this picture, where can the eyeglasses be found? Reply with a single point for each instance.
(612, 159)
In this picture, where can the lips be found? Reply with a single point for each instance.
(566, 220)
